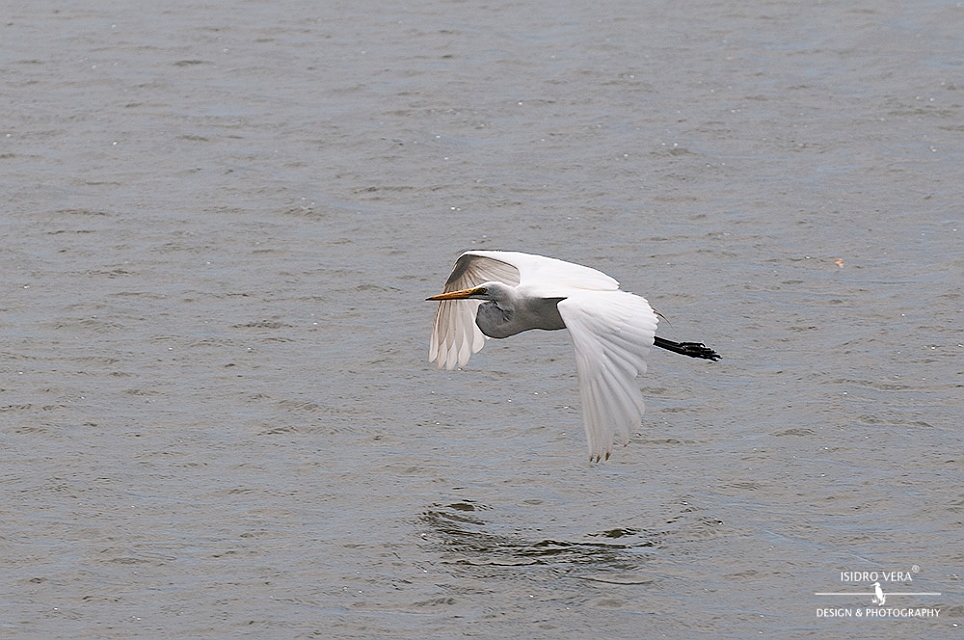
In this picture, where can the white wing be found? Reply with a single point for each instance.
(612, 332)
(557, 277)
(456, 337)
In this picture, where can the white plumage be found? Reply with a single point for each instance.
(500, 293)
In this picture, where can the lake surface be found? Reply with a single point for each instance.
(220, 222)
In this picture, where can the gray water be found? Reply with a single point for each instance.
(220, 222)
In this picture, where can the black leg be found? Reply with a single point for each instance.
(691, 349)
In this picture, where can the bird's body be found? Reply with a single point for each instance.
(498, 294)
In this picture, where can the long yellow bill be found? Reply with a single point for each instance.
(458, 295)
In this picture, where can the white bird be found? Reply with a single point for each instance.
(497, 294)
(879, 597)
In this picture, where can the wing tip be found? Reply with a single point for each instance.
(596, 458)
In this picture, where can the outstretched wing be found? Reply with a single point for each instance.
(612, 332)
(456, 337)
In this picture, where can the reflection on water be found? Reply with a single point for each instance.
(463, 535)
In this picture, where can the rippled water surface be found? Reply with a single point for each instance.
(220, 222)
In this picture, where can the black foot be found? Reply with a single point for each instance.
(691, 349)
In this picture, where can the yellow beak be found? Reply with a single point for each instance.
(458, 295)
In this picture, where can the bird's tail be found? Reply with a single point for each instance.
(691, 349)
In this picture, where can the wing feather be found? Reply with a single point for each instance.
(455, 336)
(612, 332)
(550, 276)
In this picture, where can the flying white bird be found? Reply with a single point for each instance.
(497, 294)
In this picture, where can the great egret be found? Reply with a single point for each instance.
(497, 294)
